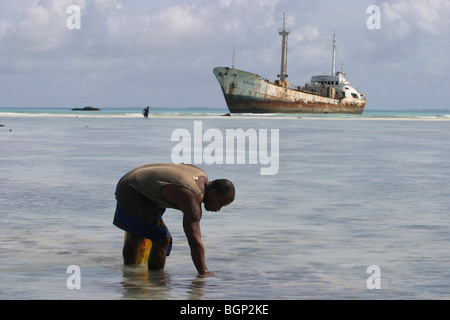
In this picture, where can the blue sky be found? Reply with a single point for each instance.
(133, 53)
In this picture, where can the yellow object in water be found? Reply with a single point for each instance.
(144, 250)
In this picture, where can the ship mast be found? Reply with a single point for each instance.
(284, 34)
(233, 57)
(333, 70)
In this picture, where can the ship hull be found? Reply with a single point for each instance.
(245, 92)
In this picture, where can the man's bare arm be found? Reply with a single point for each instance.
(190, 205)
(192, 230)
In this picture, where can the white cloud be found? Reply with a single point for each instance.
(172, 26)
(408, 16)
(127, 45)
(303, 34)
(438, 66)
(5, 27)
(41, 26)
(38, 26)
(36, 30)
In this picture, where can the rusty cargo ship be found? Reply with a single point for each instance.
(246, 92)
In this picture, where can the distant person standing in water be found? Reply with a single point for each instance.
(142, 196)
(146, 112)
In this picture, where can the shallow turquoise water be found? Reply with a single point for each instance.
(349, 193)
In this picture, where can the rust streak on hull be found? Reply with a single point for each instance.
(236, 105)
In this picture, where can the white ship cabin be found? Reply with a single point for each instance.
(333, 86)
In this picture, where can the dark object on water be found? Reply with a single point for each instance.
(146, 112)
(86, 109)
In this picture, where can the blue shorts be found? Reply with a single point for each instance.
(151, 228)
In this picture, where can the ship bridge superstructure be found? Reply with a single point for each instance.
(333, 86)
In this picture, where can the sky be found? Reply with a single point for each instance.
(160, 53)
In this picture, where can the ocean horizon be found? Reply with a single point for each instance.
(132, 112)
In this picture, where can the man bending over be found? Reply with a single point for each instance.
(143, 195)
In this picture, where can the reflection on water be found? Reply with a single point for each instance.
(140, 283)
